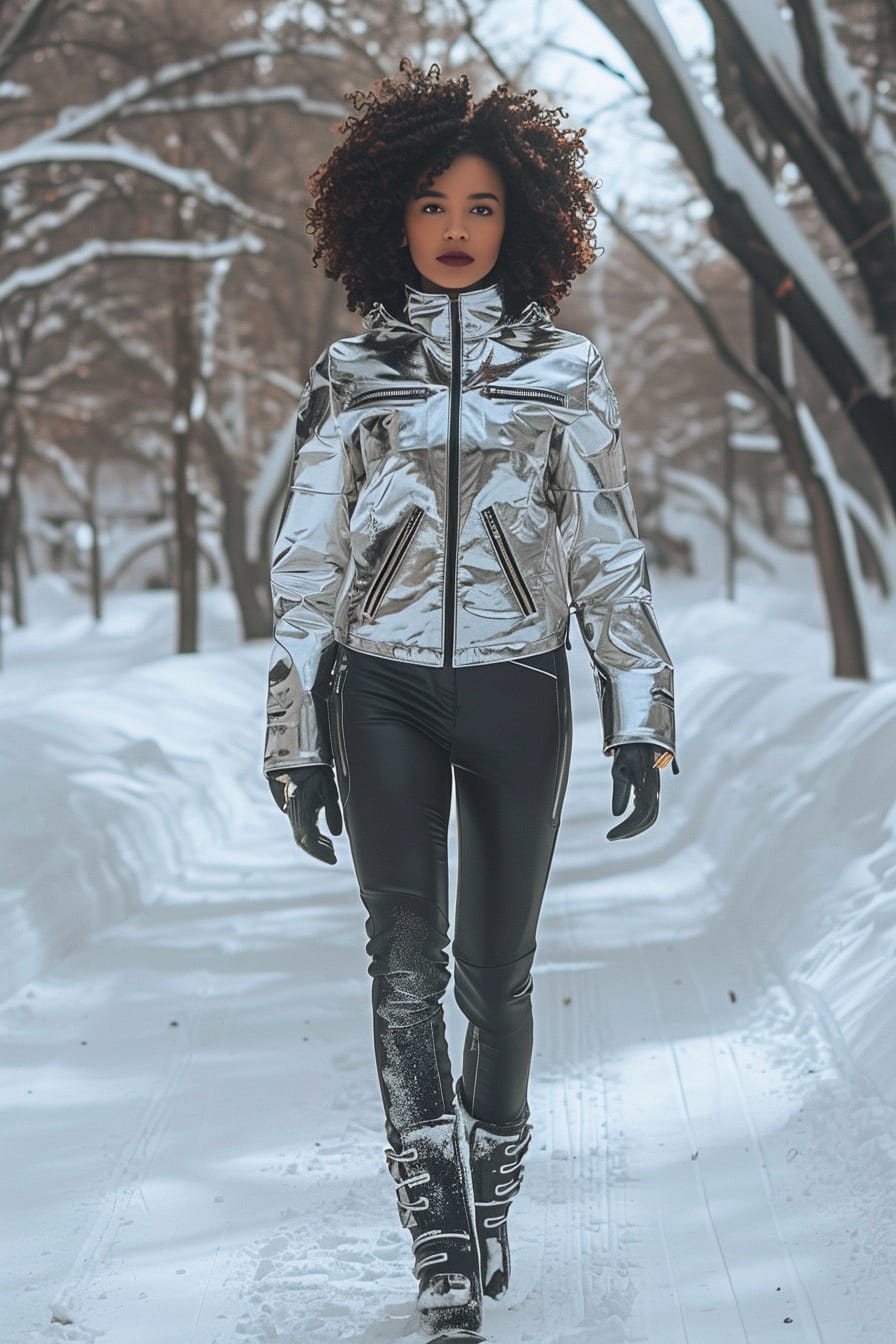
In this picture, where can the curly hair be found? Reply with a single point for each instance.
(410, 132)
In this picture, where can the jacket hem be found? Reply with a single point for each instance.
(619, 739)
(469, 657)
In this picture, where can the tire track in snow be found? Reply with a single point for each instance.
(693, 1142)
(582, 1288)
(70, 1305)
(805, 1310)
(827, 1166)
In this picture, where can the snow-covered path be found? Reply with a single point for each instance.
(192, 1131)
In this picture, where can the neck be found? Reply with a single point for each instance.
(426, 286)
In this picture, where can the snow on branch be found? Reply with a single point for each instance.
(99, 249)
(190, 181)
(74, 121)
(36, 227)
(72, 477)
(843, 95)
(763, 35)
(756, 230)
(211, 316)
(852, 178)
(289, 94)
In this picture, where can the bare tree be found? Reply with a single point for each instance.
(853, 352)
(80, 193)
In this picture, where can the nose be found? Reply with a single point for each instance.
(454, 231)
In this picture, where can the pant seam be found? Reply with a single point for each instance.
(494, 965)
(518, 662)
(476, 1070)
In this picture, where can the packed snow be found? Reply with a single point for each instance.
(191, 1127)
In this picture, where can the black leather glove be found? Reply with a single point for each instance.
(633, 768)
(314, 788)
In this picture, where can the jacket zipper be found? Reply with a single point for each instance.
(394, 557)
(452, 484)
(515, 392)
(507, 562)
(407, 392)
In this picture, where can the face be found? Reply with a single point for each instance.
(461, 211)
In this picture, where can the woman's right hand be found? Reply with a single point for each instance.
(301, 793)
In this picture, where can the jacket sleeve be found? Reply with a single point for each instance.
(308, 562)
(607, 571)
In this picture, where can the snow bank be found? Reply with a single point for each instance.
(789, 793)
(112, 776)
(109, 784)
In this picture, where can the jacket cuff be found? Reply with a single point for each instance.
(637, 706)
(283, 750)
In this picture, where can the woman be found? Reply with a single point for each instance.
(458, 477)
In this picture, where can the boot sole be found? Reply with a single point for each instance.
(455, 1336)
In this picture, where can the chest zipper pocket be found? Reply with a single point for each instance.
(398, 394)
(389, 567)
(508, 565)
(518, 392)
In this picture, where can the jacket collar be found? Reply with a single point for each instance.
(480, 311)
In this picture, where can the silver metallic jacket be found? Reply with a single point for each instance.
(458, 489)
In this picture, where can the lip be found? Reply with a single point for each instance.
(454, 259)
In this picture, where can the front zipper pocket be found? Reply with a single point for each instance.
(387, 395)
(335, 707)
(565, 723)
(506, 561)
(518, 392)
(393, 559)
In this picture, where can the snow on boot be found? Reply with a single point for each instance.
(431, 1170)
(496, 1160)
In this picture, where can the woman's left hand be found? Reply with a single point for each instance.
(633, 768)
(301, 792)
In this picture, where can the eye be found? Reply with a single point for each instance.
(486, 208)
(430, 205)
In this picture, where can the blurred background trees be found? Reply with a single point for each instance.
(158, 309)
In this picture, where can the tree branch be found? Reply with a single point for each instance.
(760, 234)
(97, 249)
(19, 30)
(191, 182)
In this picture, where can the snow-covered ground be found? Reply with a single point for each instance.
(191, 1127)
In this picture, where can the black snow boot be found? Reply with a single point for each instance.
(431, 1169)
(496, 1160)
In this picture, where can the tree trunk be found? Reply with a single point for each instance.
(184, 360)
(15, 573)
(248, 576)
(12, 450)
(837, 577)
(832, 531)
(96, 559)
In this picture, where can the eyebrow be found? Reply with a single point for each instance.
(473, 196)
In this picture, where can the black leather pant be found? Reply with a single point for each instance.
(399, 733)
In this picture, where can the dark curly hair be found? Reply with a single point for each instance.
(410, 132)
